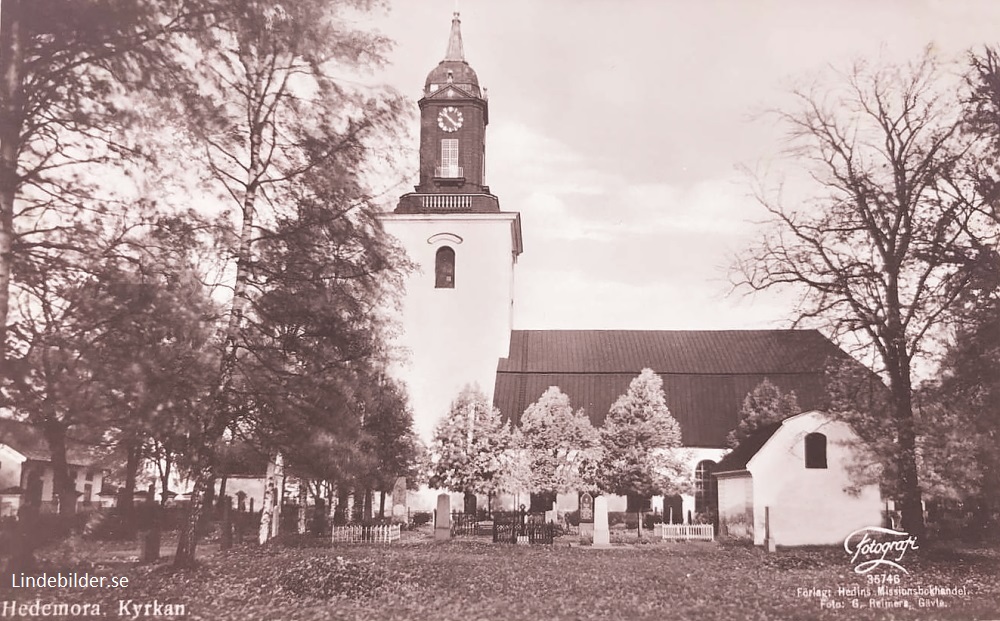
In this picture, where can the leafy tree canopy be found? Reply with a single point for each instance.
(640, 439)
(557, 440)
(764, 405)
(469, 447)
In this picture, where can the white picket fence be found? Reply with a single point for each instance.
(366, 534)
(686, 532)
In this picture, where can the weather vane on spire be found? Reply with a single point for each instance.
(456, 50)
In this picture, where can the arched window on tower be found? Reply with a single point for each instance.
(706, 491)
(444, 268)
(815, 450)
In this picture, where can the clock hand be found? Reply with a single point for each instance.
(448, 116)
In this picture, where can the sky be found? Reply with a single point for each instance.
(622, 131)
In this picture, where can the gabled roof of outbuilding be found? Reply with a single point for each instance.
(739, 457)
(706, 373)
(28, 440)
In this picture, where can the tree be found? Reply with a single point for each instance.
(880, 251)
(966, 394)
(157, 347)
(272, 121)
(982, 121)
(764, 405)
(390, 439)
(557, 441)
(110, 347)
(469, 447)
(65, 69)
(641, 439)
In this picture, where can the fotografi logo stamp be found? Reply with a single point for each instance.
(873, 547)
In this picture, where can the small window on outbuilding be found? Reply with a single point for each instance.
(444, 268)
(815, 450)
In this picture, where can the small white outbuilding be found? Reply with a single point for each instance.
(792, 483)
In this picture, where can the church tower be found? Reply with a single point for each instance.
(458, 307)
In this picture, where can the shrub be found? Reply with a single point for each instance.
(708, 517)
(420, 518)
(648, 519)
(108, 525)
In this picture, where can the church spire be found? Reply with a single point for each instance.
(455, 48)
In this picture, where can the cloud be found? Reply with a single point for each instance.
(604, 252)
(557, 299)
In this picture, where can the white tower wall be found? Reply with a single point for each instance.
(454, 336)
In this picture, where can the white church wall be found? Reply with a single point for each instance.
(809, 506)
(692, 456)
(453, 336)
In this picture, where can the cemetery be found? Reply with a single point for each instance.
(419, 576)
(243, 377)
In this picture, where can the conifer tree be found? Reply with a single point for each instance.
(640, 439)
(764, 405)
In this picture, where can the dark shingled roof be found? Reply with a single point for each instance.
(28, 440)
(744, 452)
(706, 374)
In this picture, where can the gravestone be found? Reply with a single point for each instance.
(151, 539)
(602, 534)
(586, 516)
(399, 498)
(241, 501)
(226, 541)
(768, 539)
(552, 515)
(442, 518)
(300, 527)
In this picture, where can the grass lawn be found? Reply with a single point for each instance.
(469, 580)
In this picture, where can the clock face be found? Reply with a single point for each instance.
(450, 119)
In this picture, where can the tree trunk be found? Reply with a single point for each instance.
(64, 486)
(341, 514)
(911, 509)
(266, 513)
(167, 463)
(209, 501)
(303, 499)
(187, 541)
(151, 538)
(381, 504)
(366, 508)
(126, 499)
(213, 431)
(222, 490)
(12, 37)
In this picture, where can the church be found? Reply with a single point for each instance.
(458, 312)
